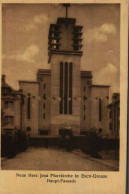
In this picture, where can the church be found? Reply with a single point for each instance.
(63, 97)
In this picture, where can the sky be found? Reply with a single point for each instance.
(25, 30)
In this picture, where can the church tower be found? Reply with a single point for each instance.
(64, 51)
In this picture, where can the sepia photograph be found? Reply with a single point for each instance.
(60, 87)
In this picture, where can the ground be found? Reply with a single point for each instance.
(56, 159)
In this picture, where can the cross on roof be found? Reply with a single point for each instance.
(66, 5)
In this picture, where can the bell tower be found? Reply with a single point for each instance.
(64, 55)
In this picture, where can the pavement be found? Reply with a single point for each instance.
(57, 159)
(104, 161)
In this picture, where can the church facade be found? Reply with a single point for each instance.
(63, 96)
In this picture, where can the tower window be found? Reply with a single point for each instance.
(76, 48)
(53, 35)
(57, 46)
(75, 41)
(84, 107)
(56, 34)
(44, 86)
(44, 106)
(76, 36)
(84, 118)
(84, 88)
(54, 41)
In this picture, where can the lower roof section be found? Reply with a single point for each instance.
(63, 52)
(44, 72)
(29, 82)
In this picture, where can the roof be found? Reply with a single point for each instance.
(77, 27)
(66, 20)
(29, 82)
(10, 89)
(54, 25)
(5, 85)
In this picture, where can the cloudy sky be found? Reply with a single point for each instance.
(25, 40)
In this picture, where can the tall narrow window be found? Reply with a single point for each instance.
(44, 86)
(85, 98)
(28, 106)
(84, 88)
(84, 107)
(61, 88)
(6, 104)
(44, 106)
(65, 88)
(44, 115)
(110, 114)
(70, 87)
(110, 126)
(84, 117)
(44, 96)
(100, 109)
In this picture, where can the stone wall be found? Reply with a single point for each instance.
(44, 79)
(100, 92)
(31, 88)
(85, 116)
(62, 120)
